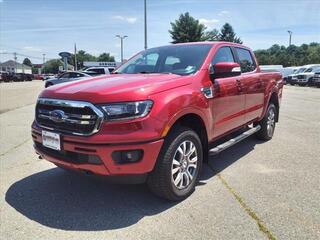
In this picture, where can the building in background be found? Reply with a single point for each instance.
(110, 65)
(15, 67)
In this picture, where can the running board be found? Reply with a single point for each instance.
(231, 142)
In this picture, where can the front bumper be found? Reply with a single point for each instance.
(316, 81)
(83, 156)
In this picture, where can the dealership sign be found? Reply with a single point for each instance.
(101, 64)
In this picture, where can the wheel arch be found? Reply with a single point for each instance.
(195, 122)
(275, 100)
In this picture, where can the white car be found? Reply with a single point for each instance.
(98, 70)
(316, 79)
(306, 78)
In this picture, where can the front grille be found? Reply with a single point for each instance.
(72, 117)
(300, 77)
(68, 156)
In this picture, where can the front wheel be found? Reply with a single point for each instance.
(268, 124)
(178, 165)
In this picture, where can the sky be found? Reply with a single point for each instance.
(36, 27)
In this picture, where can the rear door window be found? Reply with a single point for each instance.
(247, 63)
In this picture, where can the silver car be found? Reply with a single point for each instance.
(66, 77)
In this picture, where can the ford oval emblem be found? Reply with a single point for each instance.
(57, 116)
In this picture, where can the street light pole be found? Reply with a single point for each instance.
(121, 42)
(145, 25)
(290, 34)
(44, 60)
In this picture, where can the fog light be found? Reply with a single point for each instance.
(127, 156)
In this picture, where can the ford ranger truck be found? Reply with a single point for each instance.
(156, 116)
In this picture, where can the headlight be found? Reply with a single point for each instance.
(127, 110)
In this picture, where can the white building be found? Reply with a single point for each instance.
(15, 67)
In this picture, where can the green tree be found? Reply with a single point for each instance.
(83, 56)
(27, 62)
(187, 29)
(52, 66)
(289, 56)
(105, 57)
(227, 34)
(212, 35)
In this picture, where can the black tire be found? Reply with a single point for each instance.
(265, 133)
(48, 84)
(160, 180)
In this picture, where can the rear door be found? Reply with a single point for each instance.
(251, 84)
(228, 105)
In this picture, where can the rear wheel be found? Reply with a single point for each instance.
(268, 124)
(178, 166)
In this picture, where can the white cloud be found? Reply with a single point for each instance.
(209, 23)
(223, 13)
(32, 49)
(127, 19)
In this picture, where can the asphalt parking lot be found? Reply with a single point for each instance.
(254, 190)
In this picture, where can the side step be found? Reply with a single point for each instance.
(231, 142)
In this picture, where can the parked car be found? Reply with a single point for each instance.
(292, 79)
(287, 72)
(91, 73)
(66, 77)
(306, 78)
(98, 70)
(155, 118)
(48, 76)
(38, 77)
(316, 78)
(20, 77)
(4, 76)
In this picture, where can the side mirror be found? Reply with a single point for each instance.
(224, 69)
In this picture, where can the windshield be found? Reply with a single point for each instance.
(317, 69)
(176, 59)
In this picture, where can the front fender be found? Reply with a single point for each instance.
(176, 103)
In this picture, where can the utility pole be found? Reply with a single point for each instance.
(121, 42)
(15, 61)
(290, 34)
(44, 60)
(75, 57)
(145, 25)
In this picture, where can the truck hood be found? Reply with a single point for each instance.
(115, 88)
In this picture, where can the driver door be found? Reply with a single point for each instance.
(228, 104)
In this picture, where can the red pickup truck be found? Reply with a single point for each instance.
(154, 118)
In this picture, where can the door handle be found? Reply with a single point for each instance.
(239, 85)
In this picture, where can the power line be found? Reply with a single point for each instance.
(24, 55)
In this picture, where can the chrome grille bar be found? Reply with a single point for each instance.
(69, 115)
(79, 118)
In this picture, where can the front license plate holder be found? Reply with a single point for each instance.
(51, 140)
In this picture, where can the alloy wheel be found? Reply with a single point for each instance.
(184, 165)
